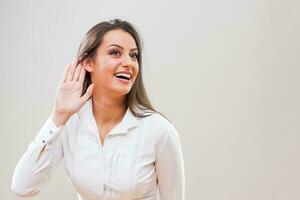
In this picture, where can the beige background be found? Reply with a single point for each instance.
(225, 72)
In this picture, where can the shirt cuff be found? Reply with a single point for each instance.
(48, 133)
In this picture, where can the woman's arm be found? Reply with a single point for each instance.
(41, 156)
(44, 153)
(170, 167)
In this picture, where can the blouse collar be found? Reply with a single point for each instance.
(86, 115)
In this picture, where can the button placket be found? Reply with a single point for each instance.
(107, 160)
(105, 189)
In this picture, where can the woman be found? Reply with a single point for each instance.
(114, 144)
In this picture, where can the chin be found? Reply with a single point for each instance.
(122, 91)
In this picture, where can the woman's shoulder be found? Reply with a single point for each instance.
(158, 127)
(158, 122)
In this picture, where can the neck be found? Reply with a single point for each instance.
(108, 109)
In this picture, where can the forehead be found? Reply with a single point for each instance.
(118, 37)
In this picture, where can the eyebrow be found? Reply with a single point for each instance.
(121, 47)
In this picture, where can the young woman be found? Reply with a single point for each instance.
(114, 144)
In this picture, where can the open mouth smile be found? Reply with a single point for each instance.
(123, 77)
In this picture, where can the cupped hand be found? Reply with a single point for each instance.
(69, 97)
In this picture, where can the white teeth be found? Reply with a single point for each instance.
(123, 74)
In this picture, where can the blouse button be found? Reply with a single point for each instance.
(43, 141)
(51, 131)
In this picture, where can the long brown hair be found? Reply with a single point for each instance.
(136, 100)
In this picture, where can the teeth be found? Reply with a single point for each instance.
(123, 74)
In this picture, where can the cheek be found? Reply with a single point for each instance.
(136, 70)
(106, 67)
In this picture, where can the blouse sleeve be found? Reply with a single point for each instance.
(170, 167)
(41, 156)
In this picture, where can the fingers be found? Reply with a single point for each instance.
(88, 93)
(77, 72)
(72, 70)
(65, 75)
(82, 75)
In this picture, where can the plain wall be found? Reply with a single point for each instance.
(226, 73)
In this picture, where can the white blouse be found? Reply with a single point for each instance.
(138, 156)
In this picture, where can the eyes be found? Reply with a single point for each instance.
(115, 52)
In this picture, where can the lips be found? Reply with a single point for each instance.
(123, 75)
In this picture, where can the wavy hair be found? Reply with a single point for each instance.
(136, 100)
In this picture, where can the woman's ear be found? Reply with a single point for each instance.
(87, 65)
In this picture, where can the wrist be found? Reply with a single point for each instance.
(59, 118)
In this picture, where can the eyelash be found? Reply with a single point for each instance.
(134, 55)
(114, 51)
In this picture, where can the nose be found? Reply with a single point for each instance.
(127, 62)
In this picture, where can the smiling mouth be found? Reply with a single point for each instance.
(123, 76)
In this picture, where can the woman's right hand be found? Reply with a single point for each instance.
(68, 98)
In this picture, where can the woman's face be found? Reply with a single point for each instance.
(115, 67)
